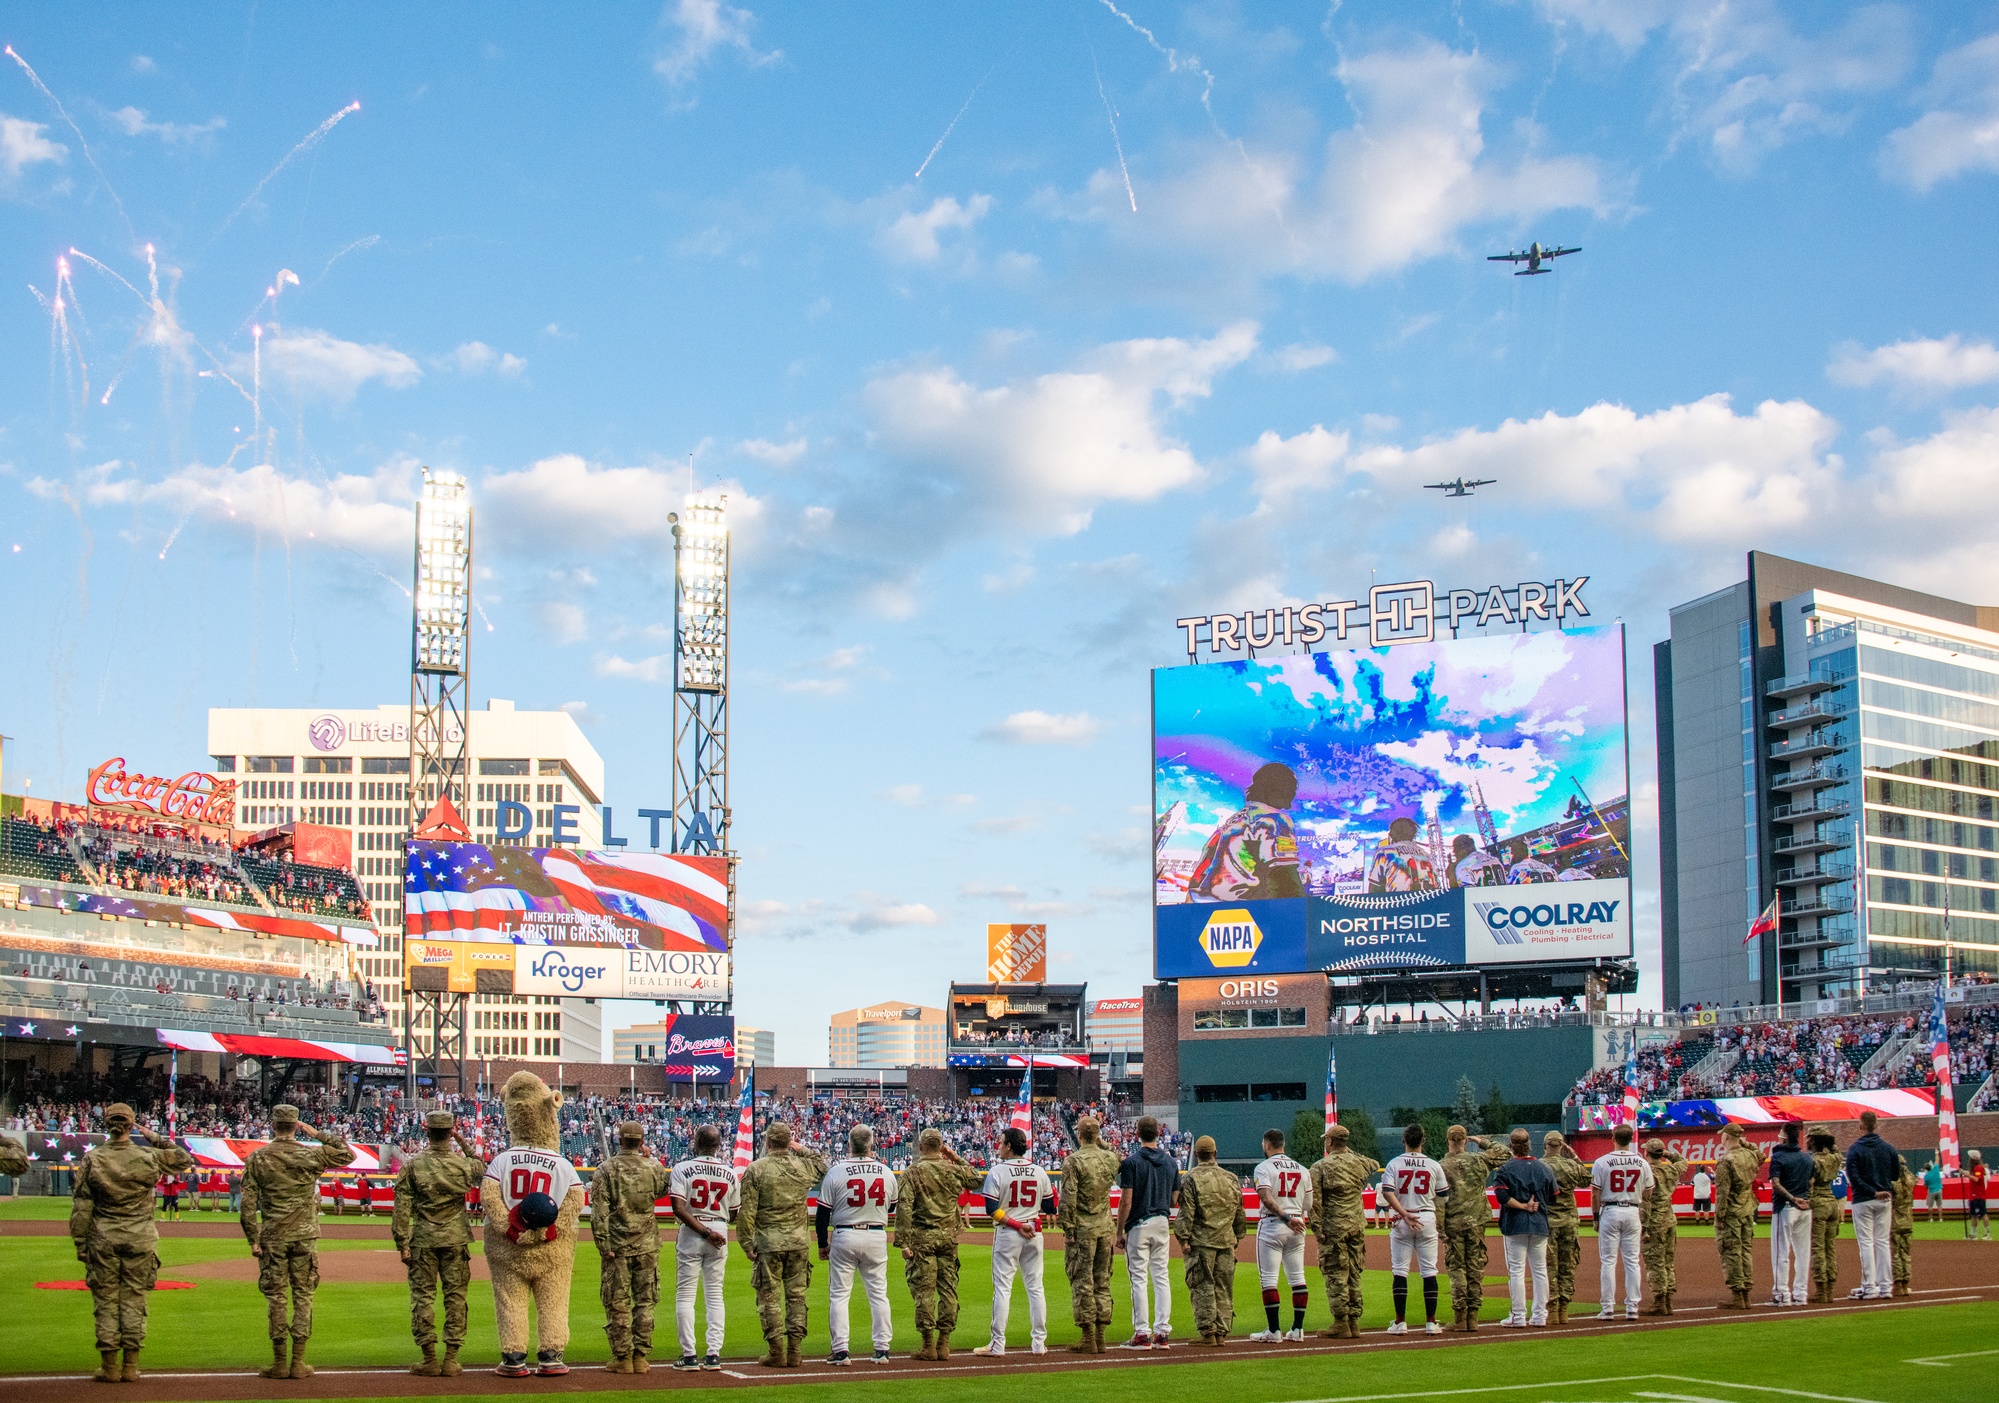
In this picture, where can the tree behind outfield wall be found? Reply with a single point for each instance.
(1465, 1109)
(1498, 1114)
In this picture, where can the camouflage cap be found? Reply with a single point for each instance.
(634, 1132)
(440, 1120)
(1205, 1145)
(1731, 1131)
(1552, 1139)
(1655, 1146)
(930, 1139)
(1818, 1130)
(1338, 1132)
(778, 1136)
(118, 1110)
(1087, 1124)
(284, 1114)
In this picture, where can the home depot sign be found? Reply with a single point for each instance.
(1016, 954)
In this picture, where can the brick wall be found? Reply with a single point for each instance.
(1162, 1049)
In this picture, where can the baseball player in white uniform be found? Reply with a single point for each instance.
(1017, 1195)
(1618, 1184)
(856, 1199)
(1285, 1187)
(1411, 1183)
(705, 1195)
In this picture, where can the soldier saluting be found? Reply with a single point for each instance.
(111, 1223)
(776, 1235)
(281, 1221)
(926, 1232)
(435, 1240)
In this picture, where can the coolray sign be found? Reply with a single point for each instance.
(571, 972)
(1548, 921)
(1393, 930)
(1407, 612)
(194, 798)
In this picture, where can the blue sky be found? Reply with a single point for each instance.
(1186, 302)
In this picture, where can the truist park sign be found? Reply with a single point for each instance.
(1413, 611)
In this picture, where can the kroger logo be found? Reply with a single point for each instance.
(571, 976)
(326, 733)
(1508, 923)
(1230, 938)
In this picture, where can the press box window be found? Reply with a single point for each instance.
(1277, 1091)
(1210, 1020)
(1277, 1018)
(1230, 1091)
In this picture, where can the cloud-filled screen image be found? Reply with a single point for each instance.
(1480, 761)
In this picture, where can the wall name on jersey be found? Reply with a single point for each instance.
(1410, 611)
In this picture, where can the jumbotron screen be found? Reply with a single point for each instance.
(1463, 802)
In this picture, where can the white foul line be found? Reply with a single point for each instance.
(1940, 1360)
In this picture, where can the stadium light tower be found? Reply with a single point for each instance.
(701, 687)
(440, 734)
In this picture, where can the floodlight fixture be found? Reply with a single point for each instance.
(443, 587)
(701, 594)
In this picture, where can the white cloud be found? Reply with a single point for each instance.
(564, 621)
(1303, 462)
(1930, 364)
(912, 236)
(22, 145)
(477, 358)
(143, 64)
(1044, 728)
(706, 27)
(778, 455)
(134, 122)
(1125, 845)
(816, 686)
(879, 913)
(1397, 187)
(1303, 355)
(1960, 132)
(1045, 452)
(367, 514)
(318, 363)
(567, 500)
(658, 668)
(910, 796)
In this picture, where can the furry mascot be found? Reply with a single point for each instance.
(532, 1199)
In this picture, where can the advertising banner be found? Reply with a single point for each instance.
(563, 896)
(1016, 954)
(1359, 804)
(586, 973)
(460, 959)
(692, 1046)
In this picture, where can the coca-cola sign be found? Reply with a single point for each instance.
(194, 798)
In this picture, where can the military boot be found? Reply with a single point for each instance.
(929, 1350)
(791, 1352)
(1669, 1303)
(943, 1344)
(1353, 1327)
(1097, 1337)
(1082, 1345)
(430, 1368)
(280, 1366)
(1658, 1306)
(1471, 1320)
(640, 1362)
(108, 1371)
(300, 1369)
(775, 1359)
(449, 1366)
(620, 1364)
(131, 1371)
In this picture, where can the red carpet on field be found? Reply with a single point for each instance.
(85, 1286)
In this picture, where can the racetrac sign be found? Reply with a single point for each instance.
(1412, 611)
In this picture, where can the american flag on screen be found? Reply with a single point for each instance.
(1946, 1099)
(746, 1120)
(1023, 1104)
(469, 890)
(1332, 1088)
(1631, 1084)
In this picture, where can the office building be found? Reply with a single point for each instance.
(756, 1045)
(886, 1036)
(1117, 1025)
(350, 769)
(1815, 725)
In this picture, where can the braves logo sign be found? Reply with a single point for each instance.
(193, 798)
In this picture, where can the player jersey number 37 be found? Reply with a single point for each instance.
(520, 1172)
(708, 1187)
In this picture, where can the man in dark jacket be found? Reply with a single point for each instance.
(1790, 1220)
(1870, 1182)
(1525, 1188)
(1149, 1180)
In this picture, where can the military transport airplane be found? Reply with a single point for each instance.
(1459, 487)
(1533, 258)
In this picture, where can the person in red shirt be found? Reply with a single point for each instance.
(1974, 1198)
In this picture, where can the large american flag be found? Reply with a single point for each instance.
(1023, 1104)
(746, 1118)
(1946, 1099)
(1332, 1088)
(1631, 1083)
(470, 891)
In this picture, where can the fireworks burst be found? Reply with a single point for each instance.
(312, 139)
(63, 112)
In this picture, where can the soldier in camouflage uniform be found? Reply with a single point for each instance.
(1339, 1220)
(623, 1193)
(111, 1223)
(280, 1218)
(1564, 1250)
(1735, 1214)
(1088, 1233)
(434, 1239)
(1903, 1230)
(1467, 1220)
(776, 1233)
(1211, 1223)
(926, 1231)
(13, 1157)
(1659, 1227)
(1826, 1212)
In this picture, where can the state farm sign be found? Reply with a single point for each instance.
(194, 798)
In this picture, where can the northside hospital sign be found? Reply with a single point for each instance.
(1408, 612)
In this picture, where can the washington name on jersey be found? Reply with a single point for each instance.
(708, 1187)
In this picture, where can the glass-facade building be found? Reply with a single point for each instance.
(1847, 746)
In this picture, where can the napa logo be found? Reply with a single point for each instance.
(1230, 938)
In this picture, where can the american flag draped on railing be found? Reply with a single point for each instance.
(1631, 1083)
(1332, 1088)
(746, 1118)
(1023, 1105)
(1946, 1098)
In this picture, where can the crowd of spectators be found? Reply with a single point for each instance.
(305, 889)
(162, 864)
(1015, 1037)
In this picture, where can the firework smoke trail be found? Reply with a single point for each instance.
(61, 111)
(312, 139)
(71, 345)
(961, 112)
(1116, 140)
(482, 615)
(257, 383)
(110, 272)
(369, 242)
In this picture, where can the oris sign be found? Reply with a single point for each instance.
(194, 799)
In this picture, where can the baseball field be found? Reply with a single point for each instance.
(207, 1337)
